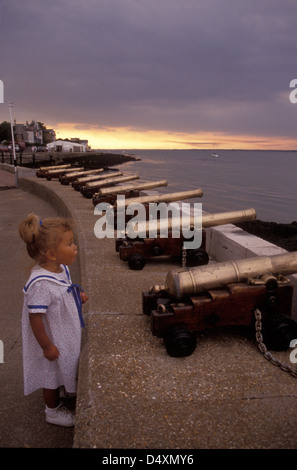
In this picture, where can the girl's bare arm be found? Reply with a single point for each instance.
(49, 349)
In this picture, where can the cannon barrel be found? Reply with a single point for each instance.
(65, 170)
(57, 173)
(89, 179)
(43, 170)
(208, 220)
(81, 182)
(161, 198)
(54, 167)
(129, 187)
(191, 282)
(232, 217)
(112, 180)
(74, 175)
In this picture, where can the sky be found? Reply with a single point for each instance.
(132, 74)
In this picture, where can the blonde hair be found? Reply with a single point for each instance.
(42, 235)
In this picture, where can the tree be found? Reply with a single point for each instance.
(5, 131)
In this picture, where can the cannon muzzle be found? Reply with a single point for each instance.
(133, 187)
(233, 217)
(160, 198)
(191, 282)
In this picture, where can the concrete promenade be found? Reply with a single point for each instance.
(131, 394)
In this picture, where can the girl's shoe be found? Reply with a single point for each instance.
(59, 416)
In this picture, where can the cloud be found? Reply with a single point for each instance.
(173, 65)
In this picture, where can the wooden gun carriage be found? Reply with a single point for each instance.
(137, 252)
(224, 294)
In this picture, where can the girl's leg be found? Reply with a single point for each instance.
(54, 413)
(51, 397)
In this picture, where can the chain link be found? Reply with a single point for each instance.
(184, 257)
(259, 337)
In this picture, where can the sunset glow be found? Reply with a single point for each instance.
(122, 138)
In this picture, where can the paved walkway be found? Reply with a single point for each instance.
(131, 393)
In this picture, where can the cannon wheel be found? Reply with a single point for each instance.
(197, 257)
(179, 341)
(156, 251)
(278, 331)
(136, 262)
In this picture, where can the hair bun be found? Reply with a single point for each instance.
(29, 228)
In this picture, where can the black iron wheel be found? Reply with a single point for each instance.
(156, 251)
(197, 257)
(179, 341)
(278, 331)
(136, 262)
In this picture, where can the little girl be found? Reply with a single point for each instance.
(52, 319)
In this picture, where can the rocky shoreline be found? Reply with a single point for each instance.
(282, 235)
(98, 160)
(89, 160)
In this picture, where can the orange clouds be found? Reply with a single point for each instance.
(131, 138)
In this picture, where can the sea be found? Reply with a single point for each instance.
(237, 179)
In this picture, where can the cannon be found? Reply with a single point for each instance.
(109, 195)
(157, 198)
(137, 251)
(90, 188)
(43, 170)
(224, 294)
(81, 182)
(148, 203)
(57, 173)
(69, 177)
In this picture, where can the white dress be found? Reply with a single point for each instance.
(50, 294)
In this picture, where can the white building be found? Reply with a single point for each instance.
(66, 146)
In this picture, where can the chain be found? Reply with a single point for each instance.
(263, 349)
(184, 257)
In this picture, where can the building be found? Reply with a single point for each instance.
(34, 133)
(67, 146)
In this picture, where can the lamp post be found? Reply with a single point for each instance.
(13, 145)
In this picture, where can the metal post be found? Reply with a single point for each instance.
(13, 146)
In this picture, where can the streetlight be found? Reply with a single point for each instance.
(11, 105)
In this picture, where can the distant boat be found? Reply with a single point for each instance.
(214, 154)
